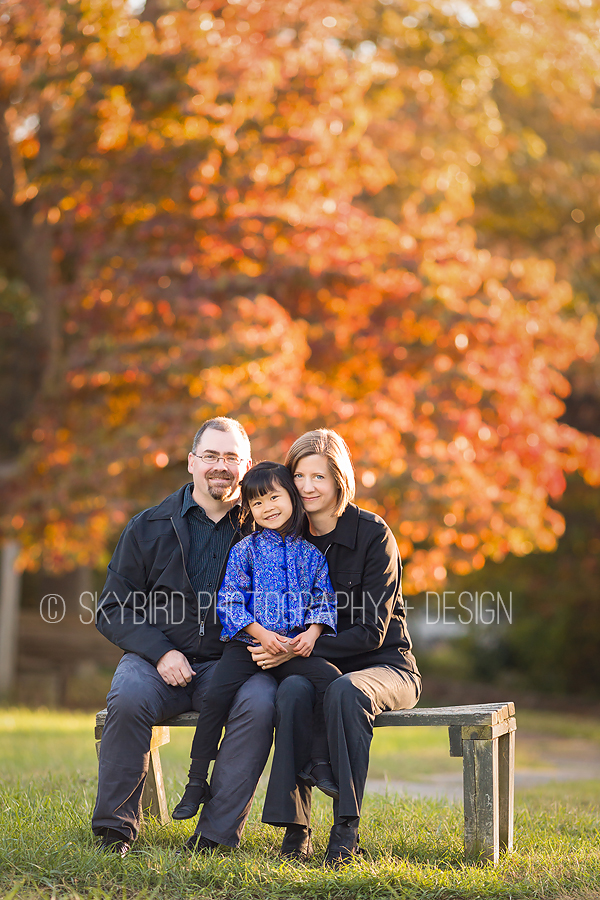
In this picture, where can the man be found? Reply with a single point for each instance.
(158, 605)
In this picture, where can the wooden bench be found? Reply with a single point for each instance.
(483, 735)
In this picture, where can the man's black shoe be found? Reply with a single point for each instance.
(297, 843)
(320, 775)
(343, 845)
(113, 841)
(197, 843)
(196, 792)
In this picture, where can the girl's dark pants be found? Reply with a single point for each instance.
(234, 668)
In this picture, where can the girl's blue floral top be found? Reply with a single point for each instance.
(281, 583)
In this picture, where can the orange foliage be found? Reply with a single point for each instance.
(217, 193)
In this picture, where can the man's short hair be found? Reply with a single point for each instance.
(220, 423)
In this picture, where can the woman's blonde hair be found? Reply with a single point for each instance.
(331, 445)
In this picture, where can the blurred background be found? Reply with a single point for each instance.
(382, 216)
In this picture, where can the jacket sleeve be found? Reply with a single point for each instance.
(121, 615)
(322, 607)
(234, 601)
(381, 586)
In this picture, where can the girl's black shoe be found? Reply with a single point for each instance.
(319, 774)
(297, 843)
(196, 792)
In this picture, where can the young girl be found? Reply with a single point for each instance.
(276, 592)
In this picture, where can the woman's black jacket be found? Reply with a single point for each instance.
(365, 570)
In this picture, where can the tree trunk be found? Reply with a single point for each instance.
(33, 352)
(10, 591)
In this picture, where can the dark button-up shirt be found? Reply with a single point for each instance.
(209, 543)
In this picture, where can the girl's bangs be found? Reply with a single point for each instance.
(257, 483)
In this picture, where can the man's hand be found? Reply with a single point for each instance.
(174, 668)
(267, 660)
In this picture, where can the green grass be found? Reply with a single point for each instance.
(553, 725)
(414, 847)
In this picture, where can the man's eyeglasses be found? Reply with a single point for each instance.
(231, 459)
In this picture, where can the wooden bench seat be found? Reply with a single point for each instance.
(484, 735)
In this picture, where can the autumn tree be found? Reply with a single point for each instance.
(270, 212)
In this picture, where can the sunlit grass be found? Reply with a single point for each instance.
(414, 847)
(553, 725)
(33, 743)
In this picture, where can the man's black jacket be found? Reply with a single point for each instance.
(148, 605)
(365, 570)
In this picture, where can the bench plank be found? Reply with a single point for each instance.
(483, 714)
(479, 714)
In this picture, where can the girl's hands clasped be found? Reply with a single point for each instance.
(303, 644)
(271, 653)
(270, 641)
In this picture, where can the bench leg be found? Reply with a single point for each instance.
(154, 801)
(506, 762)
(481, 794)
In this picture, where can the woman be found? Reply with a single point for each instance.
(372, 649)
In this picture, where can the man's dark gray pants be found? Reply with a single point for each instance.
(350, 706)
(137, 700)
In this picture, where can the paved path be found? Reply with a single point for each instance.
(451, 786)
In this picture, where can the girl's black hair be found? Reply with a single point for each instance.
(267, 476)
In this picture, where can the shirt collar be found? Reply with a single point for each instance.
(190, 503)
(345, 531)
(270, 534)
